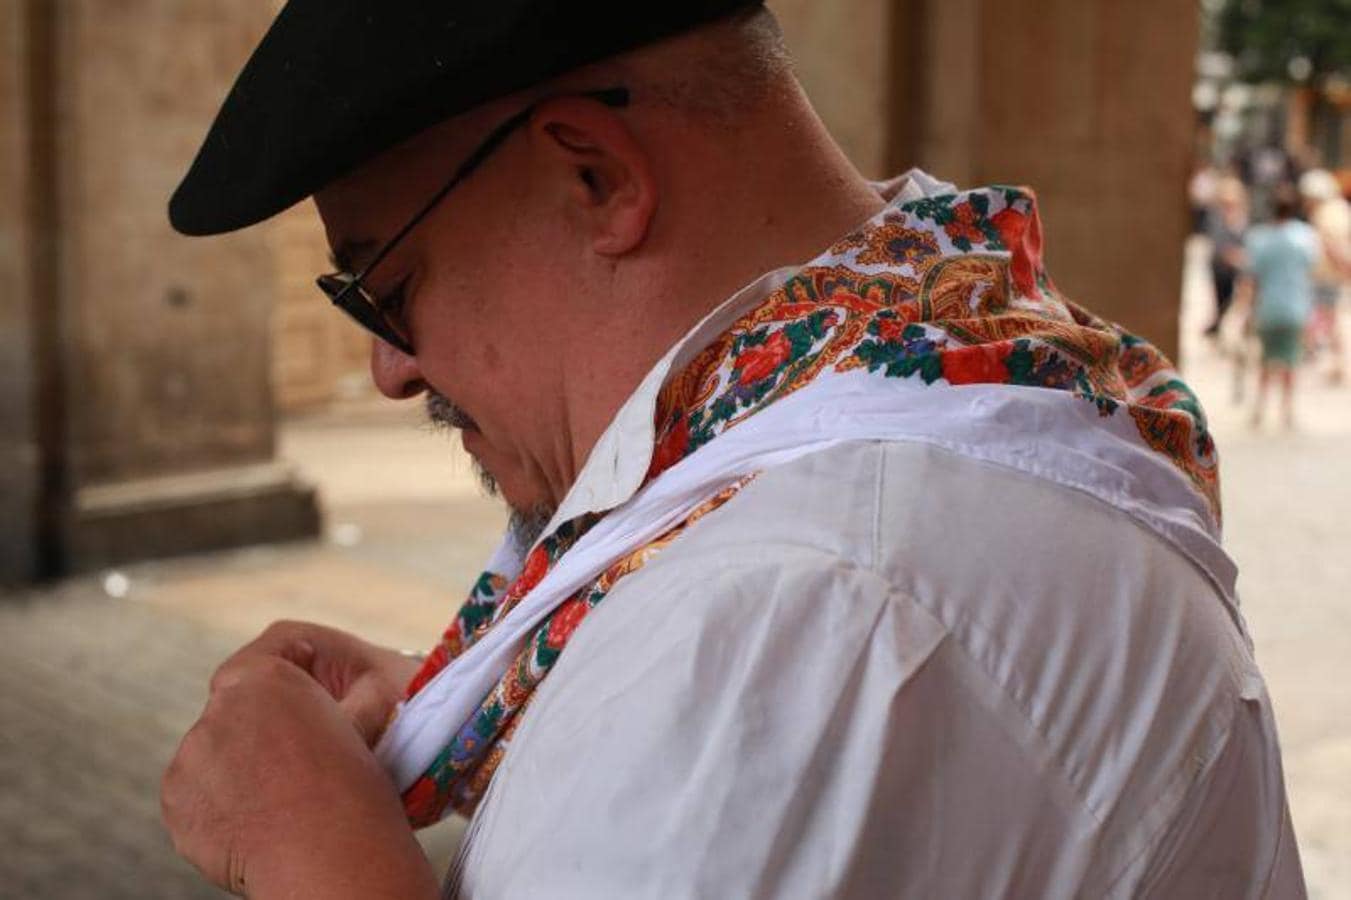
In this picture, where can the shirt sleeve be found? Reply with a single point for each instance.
(787, 726)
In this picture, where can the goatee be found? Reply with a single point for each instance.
(524, 525)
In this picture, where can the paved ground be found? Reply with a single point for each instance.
(94, 691)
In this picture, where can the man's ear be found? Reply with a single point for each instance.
(607, 174)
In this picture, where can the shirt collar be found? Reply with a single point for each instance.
(618, 463)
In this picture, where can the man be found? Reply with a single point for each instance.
(847, 560)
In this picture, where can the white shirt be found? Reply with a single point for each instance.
(888, 669)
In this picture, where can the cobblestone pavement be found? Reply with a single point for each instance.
(95, 691)
(93, 697)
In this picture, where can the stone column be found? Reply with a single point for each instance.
(160, 343)
(842, 54)
(318, 354)
(1087, 101)
(20, 459)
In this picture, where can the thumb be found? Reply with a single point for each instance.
(369, 705)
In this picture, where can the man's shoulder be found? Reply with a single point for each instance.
(939, 624)
(1013, 568)
(914, 511)
(1029, 579)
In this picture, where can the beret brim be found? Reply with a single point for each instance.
(334, 83)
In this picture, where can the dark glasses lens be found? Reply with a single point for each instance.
(349, 296)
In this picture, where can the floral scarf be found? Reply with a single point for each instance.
(946, 289)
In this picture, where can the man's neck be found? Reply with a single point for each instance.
(732, 211)
(775, 193)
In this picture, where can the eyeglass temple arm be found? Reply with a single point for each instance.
(617, 98)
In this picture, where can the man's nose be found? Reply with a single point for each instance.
(394, 372)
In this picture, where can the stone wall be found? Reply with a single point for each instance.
(318, 354)
(1090, 104)
(141, 375)
(19, 458)
(167, 336)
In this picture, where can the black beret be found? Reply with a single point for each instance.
(336, 82)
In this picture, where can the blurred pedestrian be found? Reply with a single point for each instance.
(1281, 257)
(1226, 221)
(1201, 188)
(1266, 168)
(1330, 215)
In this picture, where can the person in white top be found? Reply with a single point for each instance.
(849, 558)
(1330, 215)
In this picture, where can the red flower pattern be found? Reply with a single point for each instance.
(671, 449)
(890, 329)
(420, 801)
(1021, 234)
(437, 660)
(536, 567)
(565, 621)
(964, 224)
(981, 364)
(760, 362)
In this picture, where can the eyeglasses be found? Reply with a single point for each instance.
(383, 318)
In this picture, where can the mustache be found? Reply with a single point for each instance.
(443, 413)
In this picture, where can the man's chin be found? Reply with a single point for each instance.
(526, 522)
(526, 527)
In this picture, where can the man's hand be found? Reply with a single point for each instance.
(366, 680)
(275, 792)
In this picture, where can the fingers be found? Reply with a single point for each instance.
(333, 658)
(369, 704)
(297, 642)
(367, 681)
(371, 698)
(245, 772)
(290, 641)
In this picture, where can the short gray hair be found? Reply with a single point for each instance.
(735, 63)
(712, 73)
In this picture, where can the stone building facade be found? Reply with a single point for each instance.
(141, 373)
(1088, 101)
(138, 414)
